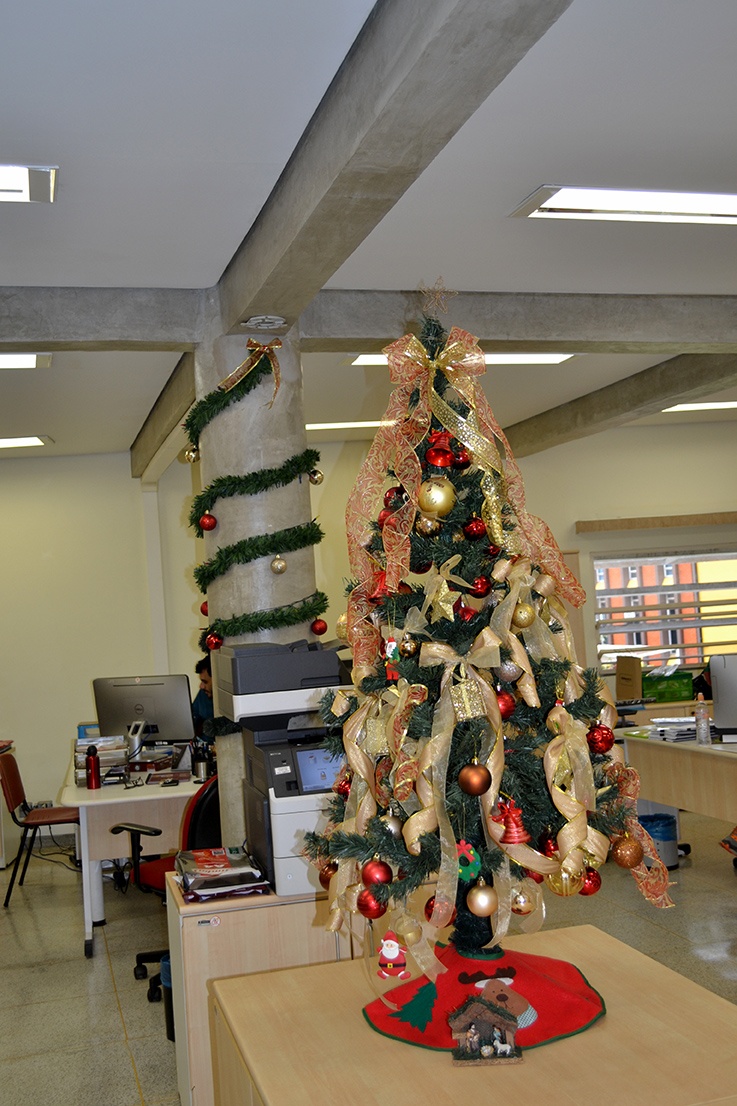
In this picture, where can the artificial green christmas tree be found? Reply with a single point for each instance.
(479, 754)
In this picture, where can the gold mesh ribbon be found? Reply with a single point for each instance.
(651, 881)
(257, 352)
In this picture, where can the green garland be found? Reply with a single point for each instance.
(251, 484)
(205, 409)
(250, 549)
(291, 614)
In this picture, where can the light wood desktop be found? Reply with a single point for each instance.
(149, 804)
(701, 778)
(298, 1038)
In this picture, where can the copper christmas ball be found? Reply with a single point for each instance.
(474, 779)
(436, 496)
(563, 883)
(474, 528)
(523, 901)
(481, 587)
(376, 871)
(204, 608)
(600, 738)
(591, 882)
(427, 527)
(482, 899)
(523, 615)
(213, 641)
(326, 873)
(369, 906)
(627, 852)
(208, 521)
(507, 704)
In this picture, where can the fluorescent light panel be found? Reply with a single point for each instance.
(630, 205)
(25, 360)
(725, 406)
(489, 358)
(18, 443)
(26, 184)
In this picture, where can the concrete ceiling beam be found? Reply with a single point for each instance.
(164, 420)
(416, 72)
(683, 379)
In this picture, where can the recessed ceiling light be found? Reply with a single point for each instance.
(726, 406)
(347, 425)
(18, 443)
(631, 205)
(28, 183)
(265, 322)
(25, 360)
(489, 358)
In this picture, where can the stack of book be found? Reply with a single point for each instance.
(112, 751)
(218, 873)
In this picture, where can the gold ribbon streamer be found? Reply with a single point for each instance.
(652, 881)
(257, 352)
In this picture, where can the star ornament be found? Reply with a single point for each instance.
(436, 298)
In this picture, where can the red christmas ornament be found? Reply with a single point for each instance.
(423, 568)
(464, 613)
(376, 871)
(380, 590)
(474, 778)
(326, 874)
(474, 528)
(369, 906)
(213, 641)
(384, 514)
(204, 608)
(392, 494)
(208, 521)
(481, 587)
(494, 550)
(342, 785)
(439, 453)
(462, 458)
(591, 882)
(549, 845)
(430, 906)
(600, 738)
(538, 877)
(510, 816)
(319, 627)
(507, 704)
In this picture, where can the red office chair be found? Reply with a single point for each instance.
(200, 830)
(27, 817)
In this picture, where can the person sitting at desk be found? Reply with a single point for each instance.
(202, 708)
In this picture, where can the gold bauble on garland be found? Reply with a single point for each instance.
(428, 527)
(482, 900)
(437, 496)
(564, 884)
(278, 565)
(523, 616)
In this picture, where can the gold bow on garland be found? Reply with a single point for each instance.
(257, 352)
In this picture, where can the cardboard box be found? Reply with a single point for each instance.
(628, 678)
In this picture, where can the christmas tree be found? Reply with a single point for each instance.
(479, 754)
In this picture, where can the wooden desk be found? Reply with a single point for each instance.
(702, 778)
(298, 1038)
(149, 804)
(234, 937)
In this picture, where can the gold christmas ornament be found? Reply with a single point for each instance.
(393, 824)
(192, 454)
(437, 496)
(341, 627)
(278, 565)
(564, 884)
(409, 646)
(523, 902)
(428, 527)
(317, 476)
(523, 616)
(482, 900)
(409, 931)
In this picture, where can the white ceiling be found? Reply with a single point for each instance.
(170, 123)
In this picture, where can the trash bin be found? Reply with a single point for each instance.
(663, 829)
(167, 995)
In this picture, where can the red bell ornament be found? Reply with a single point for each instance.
(510, 816)
(208, 521)
(474, 528)
(600, 738)
(213, 641)
(368, 905)
(376, 871)
(439, 452)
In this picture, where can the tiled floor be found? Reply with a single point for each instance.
(77, 1032)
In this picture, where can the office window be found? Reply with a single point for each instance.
(685, 625)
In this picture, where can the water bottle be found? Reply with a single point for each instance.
(92, 768)
(703, 723)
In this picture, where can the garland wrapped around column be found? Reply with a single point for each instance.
(260, 362)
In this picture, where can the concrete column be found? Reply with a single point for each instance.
(249, 436)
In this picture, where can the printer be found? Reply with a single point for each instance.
(272, 691)
(289, 779)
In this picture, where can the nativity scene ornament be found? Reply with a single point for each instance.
(479, 754)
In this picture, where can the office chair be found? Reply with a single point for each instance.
(200, 830)
(30, 819)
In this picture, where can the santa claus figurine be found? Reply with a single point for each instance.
(392, 957)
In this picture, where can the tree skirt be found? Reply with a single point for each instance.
(549, 998)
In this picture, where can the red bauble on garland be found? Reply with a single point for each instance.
(600, 738)
(208, 521)
(342, 785)
(462, 459)
(368, 905)
(319, 627)
(591, 882)
(213, 641)
(474, 778)
(376, 871)
(326, 873)
(204, 608)
(474, 528)
(481, 587)
(439, 452)
(507, 704)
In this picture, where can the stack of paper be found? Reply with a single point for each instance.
(208, 873)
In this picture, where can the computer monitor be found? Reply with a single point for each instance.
(723, 671)
(157, 708)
